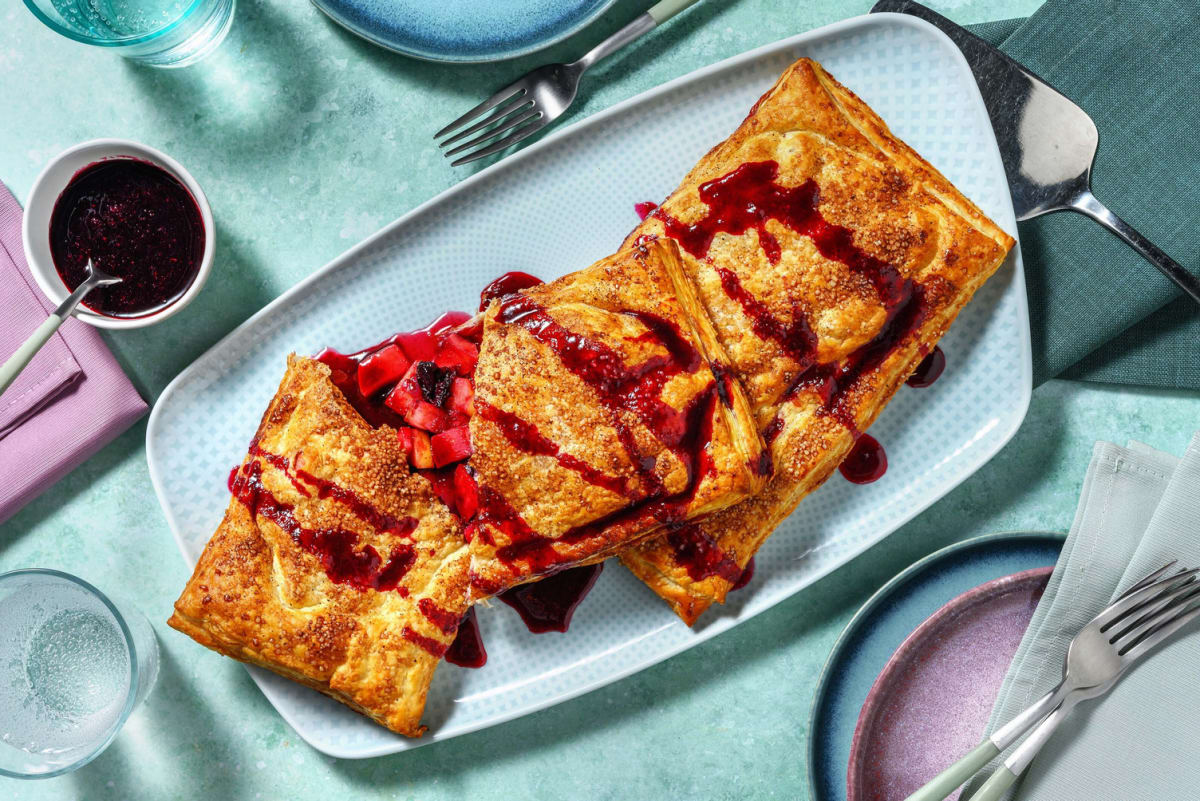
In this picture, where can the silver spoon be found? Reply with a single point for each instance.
(17, 362)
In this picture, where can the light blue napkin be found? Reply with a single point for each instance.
(1139, 509)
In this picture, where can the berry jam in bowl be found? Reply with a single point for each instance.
(137, 214)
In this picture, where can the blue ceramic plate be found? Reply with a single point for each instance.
(883, 624)
(463, 30)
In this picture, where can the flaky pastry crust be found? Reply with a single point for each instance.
(604, 410)
(825, 303)
(334, 565)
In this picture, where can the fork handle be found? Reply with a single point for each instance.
(1018, 761)
(949, 779)
(665, 9)
(659, 13)
(996, 785)
(945, 782)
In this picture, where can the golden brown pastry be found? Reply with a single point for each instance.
(830, 258)
(334, 566)
(603, 410)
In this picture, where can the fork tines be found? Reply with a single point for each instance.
(1151, 611)
(513, 108)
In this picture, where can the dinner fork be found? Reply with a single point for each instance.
(538, 98)
(1141, 618)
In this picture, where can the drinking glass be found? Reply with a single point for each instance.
(73, 665)
(161, 33)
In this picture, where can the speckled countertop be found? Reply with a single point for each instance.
(307, 140)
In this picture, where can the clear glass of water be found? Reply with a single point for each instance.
(161, 33)
(73, 666)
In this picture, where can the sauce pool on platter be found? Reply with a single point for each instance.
(549, 604)
(135, 221)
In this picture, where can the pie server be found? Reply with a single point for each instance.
(1046, 141)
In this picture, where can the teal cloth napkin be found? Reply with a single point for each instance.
(1098, 311)
(1139, 508)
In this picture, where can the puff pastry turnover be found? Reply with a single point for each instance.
(604, 409)
(334, 565)
(830, 258)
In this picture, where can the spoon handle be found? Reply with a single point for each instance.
(16, 363)
(1087, 204)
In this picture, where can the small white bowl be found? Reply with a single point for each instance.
(51, 183)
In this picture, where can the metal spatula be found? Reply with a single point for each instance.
(1047, 142)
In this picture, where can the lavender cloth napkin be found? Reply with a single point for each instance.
(69, 402)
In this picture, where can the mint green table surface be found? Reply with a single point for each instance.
(307, 140)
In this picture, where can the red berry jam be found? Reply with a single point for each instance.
(929, 370)
(136, 221)
(866, 461)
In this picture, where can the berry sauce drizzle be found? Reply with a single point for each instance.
(746, 199)
(644, 209)
(526, 437)
(621, 389)
(745, 578)
(467, 649)
(866, 462)
(929, 370)
(548, 605)
(428, 644)
(439, 617)
(136, 221)
(700, 555)
(508, 284)
(335, 548)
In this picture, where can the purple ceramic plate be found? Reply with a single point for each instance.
(932, 700)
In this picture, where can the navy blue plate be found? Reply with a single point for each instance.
(463, 30)
(885, 621)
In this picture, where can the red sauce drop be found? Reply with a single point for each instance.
(467, 649)
(744, 579)
(508, 284)
(929, 370)
(548, 605)
(866, 461)
(135, 221)
(701, 556)
(644, 208)
(335, 548)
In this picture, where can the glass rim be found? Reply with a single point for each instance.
(134, 677)
(139, 38)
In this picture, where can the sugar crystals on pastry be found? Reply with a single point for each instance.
(603, 410)
(334, 565)
(830, 258)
